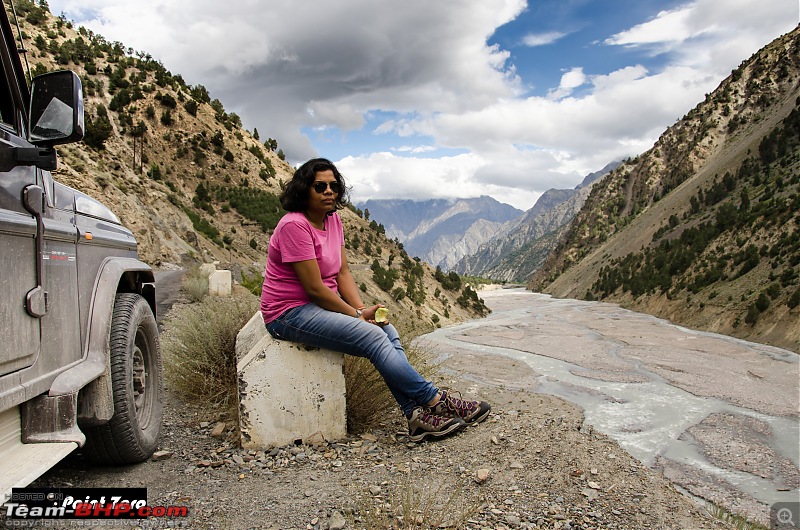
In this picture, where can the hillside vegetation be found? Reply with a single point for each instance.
(702, 229)
(193, 185)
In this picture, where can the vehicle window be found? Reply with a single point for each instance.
(6, 104)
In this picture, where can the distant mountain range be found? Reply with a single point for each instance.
(440, 231)
(520, 246)
(481, 236)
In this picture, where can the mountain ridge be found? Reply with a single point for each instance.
(195, 187)
(702, 229)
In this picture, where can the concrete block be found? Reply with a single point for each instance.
(250, 335)
(219, 283)
(287, 391)
(207, 268)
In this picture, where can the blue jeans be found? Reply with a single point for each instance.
(314, 326)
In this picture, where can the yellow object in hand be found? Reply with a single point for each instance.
(381, 314)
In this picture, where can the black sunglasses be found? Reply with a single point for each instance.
(320, 187)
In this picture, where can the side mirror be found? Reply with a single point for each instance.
(56, 113)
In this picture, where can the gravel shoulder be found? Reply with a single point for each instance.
(531, 464)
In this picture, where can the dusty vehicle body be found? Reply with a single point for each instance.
(80, 361)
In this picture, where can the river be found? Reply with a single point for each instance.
(718, 415)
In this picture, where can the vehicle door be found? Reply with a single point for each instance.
(20, 330)
(39, 318)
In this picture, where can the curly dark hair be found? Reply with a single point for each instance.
(294, 197)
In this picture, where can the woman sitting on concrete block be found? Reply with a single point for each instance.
(309, 296)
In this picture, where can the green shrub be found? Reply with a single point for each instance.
(385, 278)
(762, 303)
(794, 300)
(469, 298)
(451, 281)
(253, 283)
(120, 100)
(201, 224)
(191, 107)
(37, 16)
(98, 129)
(166, 118)
(256, 205)
(155, 171)
(773, 291)
(168, 101)
(752, 315)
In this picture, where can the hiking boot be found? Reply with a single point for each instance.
(422, 424)
(451, 405)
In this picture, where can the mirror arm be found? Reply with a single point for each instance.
(41, 157)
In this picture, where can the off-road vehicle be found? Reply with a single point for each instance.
(80, 363)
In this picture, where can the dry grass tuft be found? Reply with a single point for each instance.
(195, 285)
(734, 520)
(411, 503)
(368, 398)
(199, 347)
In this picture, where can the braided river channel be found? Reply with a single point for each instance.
(717, 415)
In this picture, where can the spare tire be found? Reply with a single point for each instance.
(137, 381)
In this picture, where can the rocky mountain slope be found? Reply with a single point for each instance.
(192, 184)
(702, 229)
(519, 247)
(441, 231)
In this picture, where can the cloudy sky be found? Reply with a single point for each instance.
(450, 98)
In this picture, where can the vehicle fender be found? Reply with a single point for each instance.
(92, 376)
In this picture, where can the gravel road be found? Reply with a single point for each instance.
(168, 286)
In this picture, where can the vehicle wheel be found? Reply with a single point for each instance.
(136, 377)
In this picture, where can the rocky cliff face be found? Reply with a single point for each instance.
(400, 217)
(514, 251)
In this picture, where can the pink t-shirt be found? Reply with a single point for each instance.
(293, 240)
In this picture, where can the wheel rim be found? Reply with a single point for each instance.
(139, 377)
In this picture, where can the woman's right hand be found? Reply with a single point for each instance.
(369, 315)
